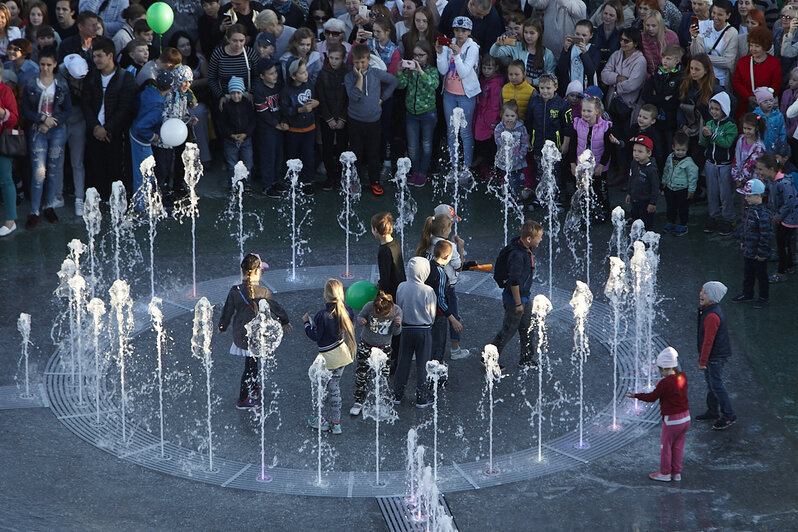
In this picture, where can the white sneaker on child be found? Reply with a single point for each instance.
(355, 410)
(460, 353)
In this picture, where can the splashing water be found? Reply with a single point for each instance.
(76, 249)
(299, 246)
(123, 312)
(434, 511)
(616, 289)
(77, 288)
(541, 306)
(23, 326)
(264, 335)
(435, 373)
(382, 409)
(240, 174)
(457, 122)
(64, 292)
(348, 217)
(641, 298)
(149, 196)
(96, 308)
(201, 349)
(618, 240)
(188, 207)
(493, 374)
(156, 315)
(547, 192)
(651, 240)
(319, 376)
(119, 221)
(92, 217)
(636, 233)
(502, 191)
(405, 204)
(580, 301)
(579, 215)
(412, 461)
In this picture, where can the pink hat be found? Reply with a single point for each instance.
(448, 210)
(763, 94)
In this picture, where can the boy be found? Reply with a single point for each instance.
(768, 109)
(679, 180)
(135, 56)
(417, 301)
(579, 52)
(438, 280)
(141, 30)
(516, 296)
(169, 59)
(65, 18)
(45, 36)
(647, 125)
(717, 137)
(517, 88)
(643, 182)
(755, 245)
(662, 91)
(332, 112)
(782, 202)
(367, 88)
(270, 127)
(390, 264)
(238, 125)
(297, 102)
(266, 44)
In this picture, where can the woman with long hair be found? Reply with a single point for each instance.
(655, 38)
(8, 32)
(529, 49)
(697, 88)
(607, 34)
(422, 28)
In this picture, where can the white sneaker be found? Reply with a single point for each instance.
(5, 231)
(355, 410)
(58, 203)
(459, 353)
(677, 477)
(78, 207)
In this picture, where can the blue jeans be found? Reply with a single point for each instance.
(237, 151)
(138, 152)
(450, 101)
(423, 124)
(717, 398)
(47, 165)
(269, 142)
(8, 189)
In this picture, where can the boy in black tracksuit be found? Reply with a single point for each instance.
(237, 126)
(643, 182)
(439, 281)
(662, 90)
(333, 102)
(297, 102)
(271, 128)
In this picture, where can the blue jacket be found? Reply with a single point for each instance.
(148, 121)
(520, 267)
(439, 282)
(775, 127)
(323, 329)
(757, 231)
(547, 120)
(783, 200)
(31, 94)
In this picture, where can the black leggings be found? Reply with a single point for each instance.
(249, 379)
(784, 247)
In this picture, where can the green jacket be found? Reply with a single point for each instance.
(683, 175)
(720, 142)
(421, 89)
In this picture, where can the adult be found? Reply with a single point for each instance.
(240, 12)
(208, 30)
(19, 62)
(109, 12)
(718, 39)
(740, 13)
(538, 60)
(607, 33)
(7, 33)
(125, 34)
(580, 59)
(349, 18)
(186, 14)
(109, 94)
(700, 10)
(403, 26)
(486, 22)
(624, 18)
(81, 43)
(334, 32)
(234, 58)
(422, 28)
(74, 70)
(65, 11)
(770, 8)
(754, 19)
(757, 69)
(319, 12)
(697, 88)
(270, 22)
(670, 14)
(655, 38)
(788, 14)
(291, 12)
(642, 9)
(8, 120)
(714, 348)
(559, 19)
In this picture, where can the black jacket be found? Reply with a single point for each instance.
(331, 93)
(237, 118)
(644, 182)
(120, 101)
(267, 104)
(591, 60)
(439, 281)
(520, 269)
(239, 304)
(659, 86)
(72, 45)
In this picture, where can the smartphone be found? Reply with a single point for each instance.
(406, 63)
(509, 41)
(367, 34)
(228, 15)
(444, 41)
(577, 40)
(694, 20)
(363, 11)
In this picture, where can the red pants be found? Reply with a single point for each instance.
(674, 431)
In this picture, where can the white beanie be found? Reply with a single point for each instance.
(575, 87)
(715, 290)
(667, 358)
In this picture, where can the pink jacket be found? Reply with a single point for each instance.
(489, 103)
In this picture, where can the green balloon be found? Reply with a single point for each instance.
(360, 293)
(160, 17)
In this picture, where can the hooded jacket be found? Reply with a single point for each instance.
(147, 123)
(417, 300)
(680, 175)
(722, 133)
(364, 104)
(489, 102)
(520, 267)
(783, 200)
(518, 153)
(465, 64)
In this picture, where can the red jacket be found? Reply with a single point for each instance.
(766, 74)
(9, 103)
(672, 394)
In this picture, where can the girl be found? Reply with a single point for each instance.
(768, 110)
(37, 15)
(783, 204)
(487, 110)
(537, 59)
(302, 45)
(381, 320)
(748, 150)
(672, 394)
(408, 13)
(383, 45)
(421, 83)
(333, 332)
(8, 32)
(457, 62)
(512, 123)
(422, 28)
(644, 7)
(241, 307)
(655, 38)
(46, 104)
(698, 86)
(296, 106)
(608, 29)
(125, 34)
(8, 120)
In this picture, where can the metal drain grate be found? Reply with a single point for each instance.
(13, 397)
(399, 517)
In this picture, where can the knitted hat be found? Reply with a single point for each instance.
(183, 73)
(667, 358)
(266, 39)
(76, 66)
(763, 94)
(575, 87)
(165, 80)
(754, 186)
(463, 23)
(715, 290)
(235, 84)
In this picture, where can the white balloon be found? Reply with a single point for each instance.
(174, 132)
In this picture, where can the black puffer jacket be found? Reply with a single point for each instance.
(331, 92)
(120, 101)
(239, 303)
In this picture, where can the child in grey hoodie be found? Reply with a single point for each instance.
(418, 304)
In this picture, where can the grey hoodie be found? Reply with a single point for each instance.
(416, 299)
(364, 105)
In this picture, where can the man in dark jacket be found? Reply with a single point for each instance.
(109, 96)
(516, 296)
(81, 43)
(487, 23)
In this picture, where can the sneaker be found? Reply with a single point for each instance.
(247, 403)
(777, 278)
(50, 215)
(328, 184)
(669, 227)
(356, 409)
(725, 229)
(707, 416)
(459, 353)
(58, 203)
(760, 303)
(742, 298)
(313, 422)
(724, 423)
(274, 192)
(33, 221)
(377, 190)
(335, 428)
(711, 226)
(308, 190)
(424, 403)
(680, 230)
(5, 231)
(676, 477)
(526, 193)
(659, 476)
(78, 207)
(396, 400)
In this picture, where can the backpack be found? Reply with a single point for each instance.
(500, 266)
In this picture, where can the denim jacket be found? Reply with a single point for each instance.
(31, 94)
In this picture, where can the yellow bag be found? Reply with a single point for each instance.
(338, 356)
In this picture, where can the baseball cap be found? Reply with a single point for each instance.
(594, 90)
(448, 210)
(76, 66)
(754, 186)
(463, 23)
(266, 39)
(645, 141)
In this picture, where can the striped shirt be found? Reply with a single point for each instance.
(222, 66)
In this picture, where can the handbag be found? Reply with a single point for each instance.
(619, 110)
(13, 143)
(338, 357)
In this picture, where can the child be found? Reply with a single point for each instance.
(333, 332)
(418, 312)
(643, 182)
(517, 152)
(381, 321)
(537, 60)
(367, 88)
(574, 94)
(143, 32)
(241, 306)
(390, 263)
(270, 127)
(296, 107)
(579, 60)
(756, 244)
(783, 203)
(265, 43)
(444, 315)
(775, 127)
(135, 55)
(383, 46)
(674, 408)
(457, 62)
(487, 109)
(647, 125)
(662, 91)
(332, 112)
(517, 87)
(717, 137)
(749, 149)
(421, 83)
(302, 45)
(238, 125)
(679, 181)
(788, 97)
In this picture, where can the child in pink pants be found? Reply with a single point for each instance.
(672, 394)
